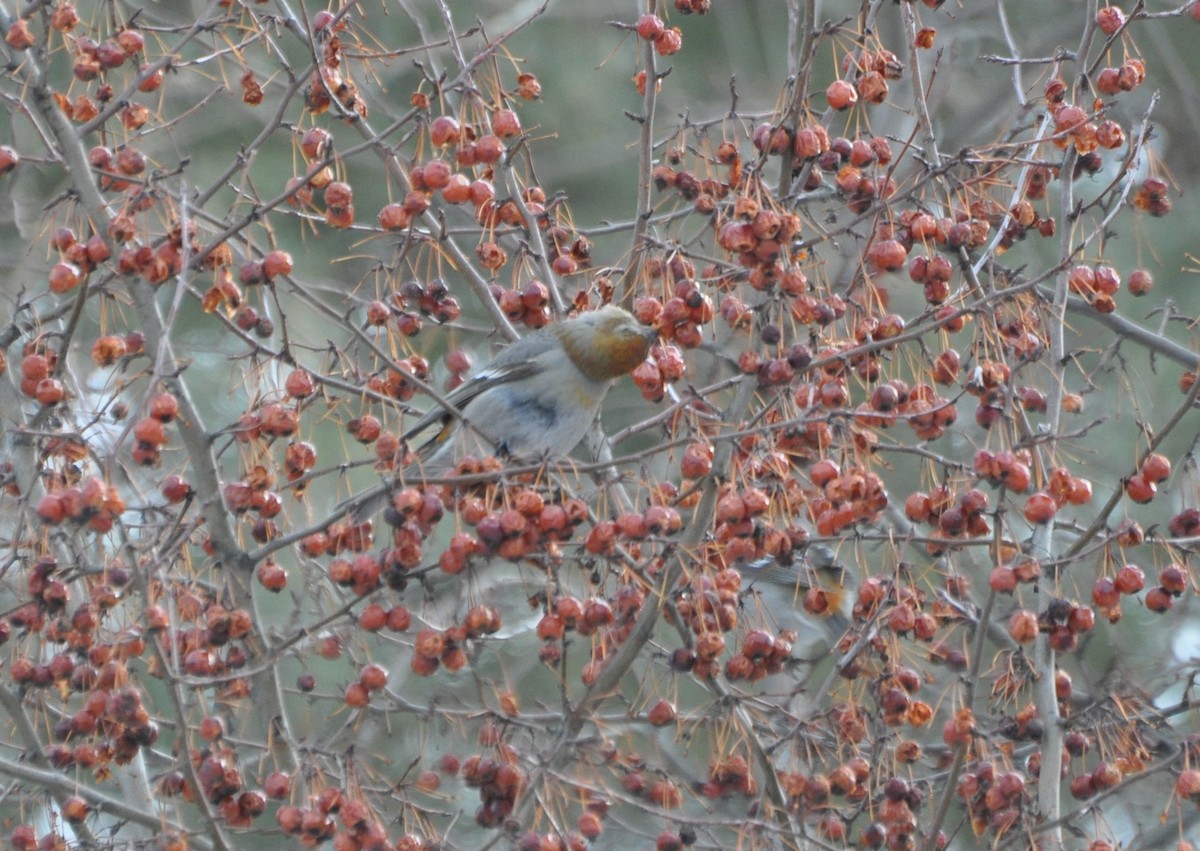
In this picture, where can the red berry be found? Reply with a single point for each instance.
(1040, 508)
(272, 576)
(444, 130)
(1140, 489)
(1156, 468)
(661, 713)
(649, 27)
(1158, 600)
(1130, 579)
(505, 124)
(886, 255)
(841, 94)
(1140, 282)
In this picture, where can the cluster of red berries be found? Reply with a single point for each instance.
(664, 366)
(513, 526)
(856, 496)
(756, 230)
(709, 607)
(1107, 774)
(1174, 580)
(1004, 469)
(896, 697)
(447, 648)
(93, 61)
(967, 228)
(1004, 578)
(164, 259)
(209, 647)
(812, 792)
(595, 616)
(222, 783)
(994, 798)
(111, 722)
(94, 502)
(859, 168)
(759, 656)
(702, 193)
(371, 678)
(933, 274)
(271, 420)
(110, 349)
(1062, 621)
(393, 382)
(679, 317)
(780, 370)
(895, 824)
(1125, 78)
(499, 782)
(431, 299)
(39, 363)
(1152, 197)
(316, 146)
(245, 317)
(1023, 217)
(339, 537)
(477, 147)
(1106, 592)
(729, 775)
(749, 225)
(740, 526)
(254, 495)
(900, 607)
(149, 432)
(667, 40)
(333, 814)
(77, 258)
(1143, 485)
(1075, 127)
(327, 82)
(111, 725)
(1098, 285)
(871, 71)
(920, 406)
(274, 264)
(662, 792)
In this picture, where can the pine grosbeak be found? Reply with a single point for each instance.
(536, 398)
(781, 589)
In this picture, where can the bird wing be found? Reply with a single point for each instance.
(496, 373)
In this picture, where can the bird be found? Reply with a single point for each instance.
(535, 399)
(781, 589)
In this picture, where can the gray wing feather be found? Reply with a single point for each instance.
(464, 394)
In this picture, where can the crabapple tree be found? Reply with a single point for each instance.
(888, 544)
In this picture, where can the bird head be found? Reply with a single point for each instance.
(605, 343)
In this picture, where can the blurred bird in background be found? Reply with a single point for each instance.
(810, 597)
